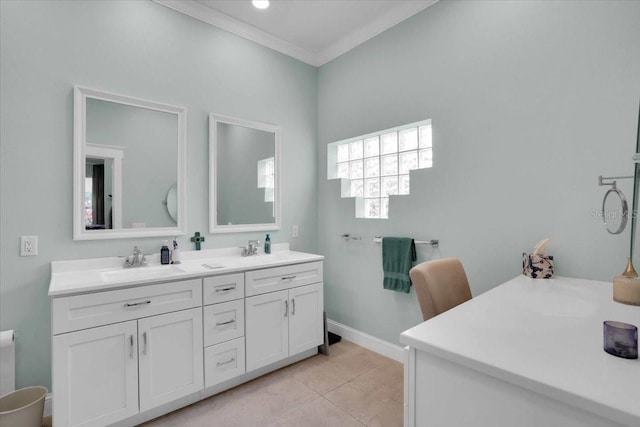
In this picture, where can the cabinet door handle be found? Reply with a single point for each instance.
(135, 304)
(293, 306)
(225, 323)
(144, 338)
(131, 346)
(226, 362)
(286, 308)
(230, 288)
(288, 277)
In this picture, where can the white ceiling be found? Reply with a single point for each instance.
(313, 31)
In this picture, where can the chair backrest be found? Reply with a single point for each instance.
(440, 285)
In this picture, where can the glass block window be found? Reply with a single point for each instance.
(376, 166)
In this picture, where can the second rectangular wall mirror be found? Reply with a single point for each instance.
(244, 170)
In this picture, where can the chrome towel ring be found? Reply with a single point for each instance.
(624, 217)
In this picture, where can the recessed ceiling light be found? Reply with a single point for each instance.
(260, 4)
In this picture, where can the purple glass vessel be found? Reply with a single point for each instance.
(620, 339)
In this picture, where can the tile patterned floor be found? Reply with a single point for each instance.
(351, 387)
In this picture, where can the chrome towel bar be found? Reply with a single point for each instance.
(433, 242)
(378, 239)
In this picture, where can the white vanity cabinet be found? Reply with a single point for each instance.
(103, 374)
(130, 349)
(284, 315)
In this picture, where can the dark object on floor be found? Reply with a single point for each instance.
(334, 338)
(324, 348)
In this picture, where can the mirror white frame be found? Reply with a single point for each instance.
(81, 94)
(214, 119)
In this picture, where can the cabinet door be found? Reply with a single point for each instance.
(306, 328)
(266, 329)
(95, 375)
(170, 356)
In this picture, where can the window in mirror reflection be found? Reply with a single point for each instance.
(266, 180)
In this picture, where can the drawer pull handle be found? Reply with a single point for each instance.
(293, 306)
(288, 277)
(228, 322)
(233, 359)
(131, 346)
(230, 288)
(135, 304)
(286, 308)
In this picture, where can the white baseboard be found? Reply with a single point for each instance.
(367, 341)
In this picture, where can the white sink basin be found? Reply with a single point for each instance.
(141, 273)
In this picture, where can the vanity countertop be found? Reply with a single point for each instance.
(98, 274)
(543, 335)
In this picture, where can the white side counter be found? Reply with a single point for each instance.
(526, 353)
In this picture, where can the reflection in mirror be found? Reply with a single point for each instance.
(171, 202)
(244, 164)
(127, 153)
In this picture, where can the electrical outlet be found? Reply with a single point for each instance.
(294, 231)
(28, 245)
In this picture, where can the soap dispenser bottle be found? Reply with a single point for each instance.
(165, 257)
(267, 245)
(175, 253)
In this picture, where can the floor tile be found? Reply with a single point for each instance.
(316, 413)
(360, 388)
(375, 398)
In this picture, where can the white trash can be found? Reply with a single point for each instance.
(23, 408)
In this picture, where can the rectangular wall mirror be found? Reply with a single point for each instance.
(244, 177)
(129, 167)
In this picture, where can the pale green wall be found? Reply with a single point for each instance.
(145, 50)
(530, 102)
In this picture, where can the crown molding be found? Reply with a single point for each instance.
(237, 27)
(203, 13)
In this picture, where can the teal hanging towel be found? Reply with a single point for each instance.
(398, 254)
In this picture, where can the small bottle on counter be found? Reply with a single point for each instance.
(175, 253)
(267, 245)
(165, 257)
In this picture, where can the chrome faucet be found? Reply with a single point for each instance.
(251, 248)
(137, 259)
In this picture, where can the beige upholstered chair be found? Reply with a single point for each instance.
(440, 285)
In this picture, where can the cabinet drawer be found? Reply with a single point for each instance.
(101, 308)
(223, 362)
(279, 278)
(223, 322)
(222, 288)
